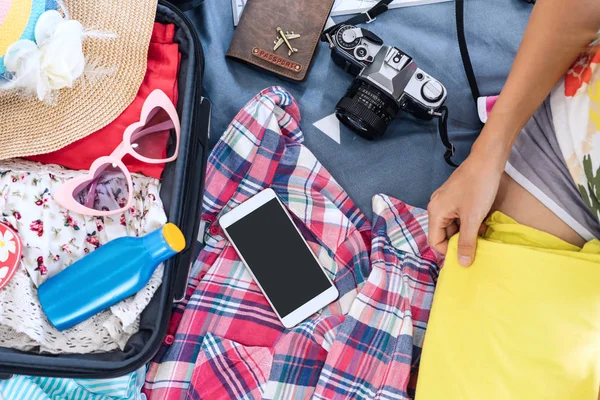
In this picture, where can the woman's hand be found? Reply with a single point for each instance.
(463, 202)
(544, 56)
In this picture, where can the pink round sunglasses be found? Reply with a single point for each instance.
(158, 117)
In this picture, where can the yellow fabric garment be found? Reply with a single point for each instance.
(523, 322)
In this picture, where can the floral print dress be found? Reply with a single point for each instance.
(53, 239)
(575, 106)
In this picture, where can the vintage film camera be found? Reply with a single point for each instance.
(387, 81)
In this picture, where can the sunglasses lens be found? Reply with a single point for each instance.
(157, 139)
(107, 191)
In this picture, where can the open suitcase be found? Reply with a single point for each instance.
(182, 186)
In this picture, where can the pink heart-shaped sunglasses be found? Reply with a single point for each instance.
(101, 191)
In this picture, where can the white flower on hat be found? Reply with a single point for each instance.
(54, 61)
(7, 245)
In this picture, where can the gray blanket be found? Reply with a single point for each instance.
(408, 162)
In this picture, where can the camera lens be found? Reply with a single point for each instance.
(366, 109)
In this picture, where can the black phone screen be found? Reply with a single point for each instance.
(278, 257)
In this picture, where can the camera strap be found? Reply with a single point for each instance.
(464, 51)
(443, 128)
(364, 18)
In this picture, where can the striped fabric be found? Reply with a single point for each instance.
(377, 349)
(225, 342)
(126, 387)
(235, 371)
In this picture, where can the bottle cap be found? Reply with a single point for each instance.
(174, 237)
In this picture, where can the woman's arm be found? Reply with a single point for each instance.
(558, 31)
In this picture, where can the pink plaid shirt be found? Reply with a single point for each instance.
(225, 341)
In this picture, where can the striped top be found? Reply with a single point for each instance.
(126, 387)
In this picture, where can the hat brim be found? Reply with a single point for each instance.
(30, 127)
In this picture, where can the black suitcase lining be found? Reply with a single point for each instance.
(181, 188)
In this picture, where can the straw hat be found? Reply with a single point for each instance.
(30, 127)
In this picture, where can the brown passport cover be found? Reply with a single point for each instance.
(256, 34)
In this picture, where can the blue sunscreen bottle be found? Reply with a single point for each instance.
(113, 272)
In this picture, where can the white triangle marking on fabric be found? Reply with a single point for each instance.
(330, 126)
(3, 272)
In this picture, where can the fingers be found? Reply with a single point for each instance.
(439, 227)
(452, 229)
(467, 241)
(438, 239)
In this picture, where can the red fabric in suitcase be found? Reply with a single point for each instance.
(161, 73)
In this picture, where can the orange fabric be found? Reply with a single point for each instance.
(581, 72)
(163, 67)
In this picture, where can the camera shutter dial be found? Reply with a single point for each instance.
(347, 37)
(432, 91)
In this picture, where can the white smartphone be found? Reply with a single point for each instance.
(281, 262)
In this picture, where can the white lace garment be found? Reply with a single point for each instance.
(53, 238)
